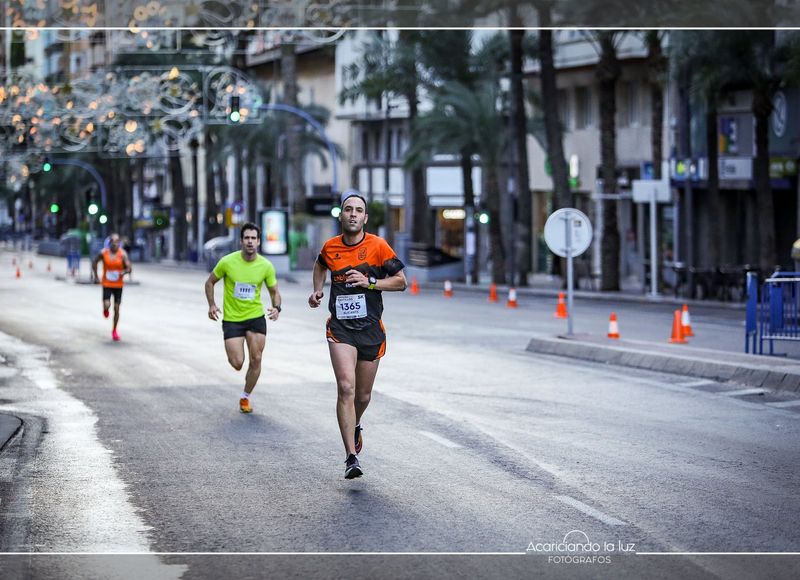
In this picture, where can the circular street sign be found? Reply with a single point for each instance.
(555, 231)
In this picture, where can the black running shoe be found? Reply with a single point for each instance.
(359, 438)
(352, 468)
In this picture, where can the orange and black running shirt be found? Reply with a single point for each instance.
(113, 268)
(352, 308)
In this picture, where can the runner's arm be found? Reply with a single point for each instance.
(396, 283)
(213, 310)
(275, 297)
(319, 275)
(97, 259)
(127, 263)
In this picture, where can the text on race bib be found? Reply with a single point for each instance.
(244, 291)
(351, 306)
(113, 275)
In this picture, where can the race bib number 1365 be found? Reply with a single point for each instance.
(351, 306)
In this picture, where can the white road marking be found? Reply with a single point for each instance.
(440, 440)
(743, 392)
(694, 384)
(783, 404)
(86, 503)
(590, 511)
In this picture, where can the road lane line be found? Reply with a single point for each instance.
(440, 440)
(695, 384)
(743, 392)
(590, 511)
(784, 404)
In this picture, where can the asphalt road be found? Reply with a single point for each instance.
(478, 454)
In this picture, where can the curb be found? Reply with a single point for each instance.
(701, 363)
(9, 426)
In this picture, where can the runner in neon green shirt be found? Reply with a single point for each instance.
(243, 317)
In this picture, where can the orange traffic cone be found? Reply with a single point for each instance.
(493, 292)
(414, 286)
(686, 321)
(448, 289)
(512, 298)
(19, 272)
(677, 329)
(613, 326)
(561, 308)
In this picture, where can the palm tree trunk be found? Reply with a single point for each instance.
(498, 252)
(178, 205)
(469, 214)
(712, 147)
(294, 153)
(252, 200)
(552, 120)
(562, 194)
(525, 202)
(212, 209)
(762, 108)
(608, 73)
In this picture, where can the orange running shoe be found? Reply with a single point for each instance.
(244, 405)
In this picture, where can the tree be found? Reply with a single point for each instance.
(721, 60)
(607, 74)
(447, 57)
(387, 69)
(465, 118)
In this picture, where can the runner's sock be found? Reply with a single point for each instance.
(245, 395)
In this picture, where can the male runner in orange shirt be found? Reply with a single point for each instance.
(362, 266)
(115, 265)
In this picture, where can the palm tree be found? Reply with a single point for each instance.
(464, 119)
(446, 57)
(389, 69)
(607, 74)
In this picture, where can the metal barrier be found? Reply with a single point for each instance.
(751, 314)
(779, 311)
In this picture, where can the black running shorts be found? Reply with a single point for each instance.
(242, 327)
(367, 349)
(117, 292)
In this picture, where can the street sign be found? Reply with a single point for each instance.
(568, 233)
(643, 190)
(555, 234)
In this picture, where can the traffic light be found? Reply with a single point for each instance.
(47, 165)
(483, 217)
(160, 218)
(54, 208)
(103, 218)
(234, 116)
(336, 211)
(93, 208)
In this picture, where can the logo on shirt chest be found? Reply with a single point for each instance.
(362, 254)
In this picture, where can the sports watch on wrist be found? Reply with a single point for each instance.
(277, 307)
(372, 282)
